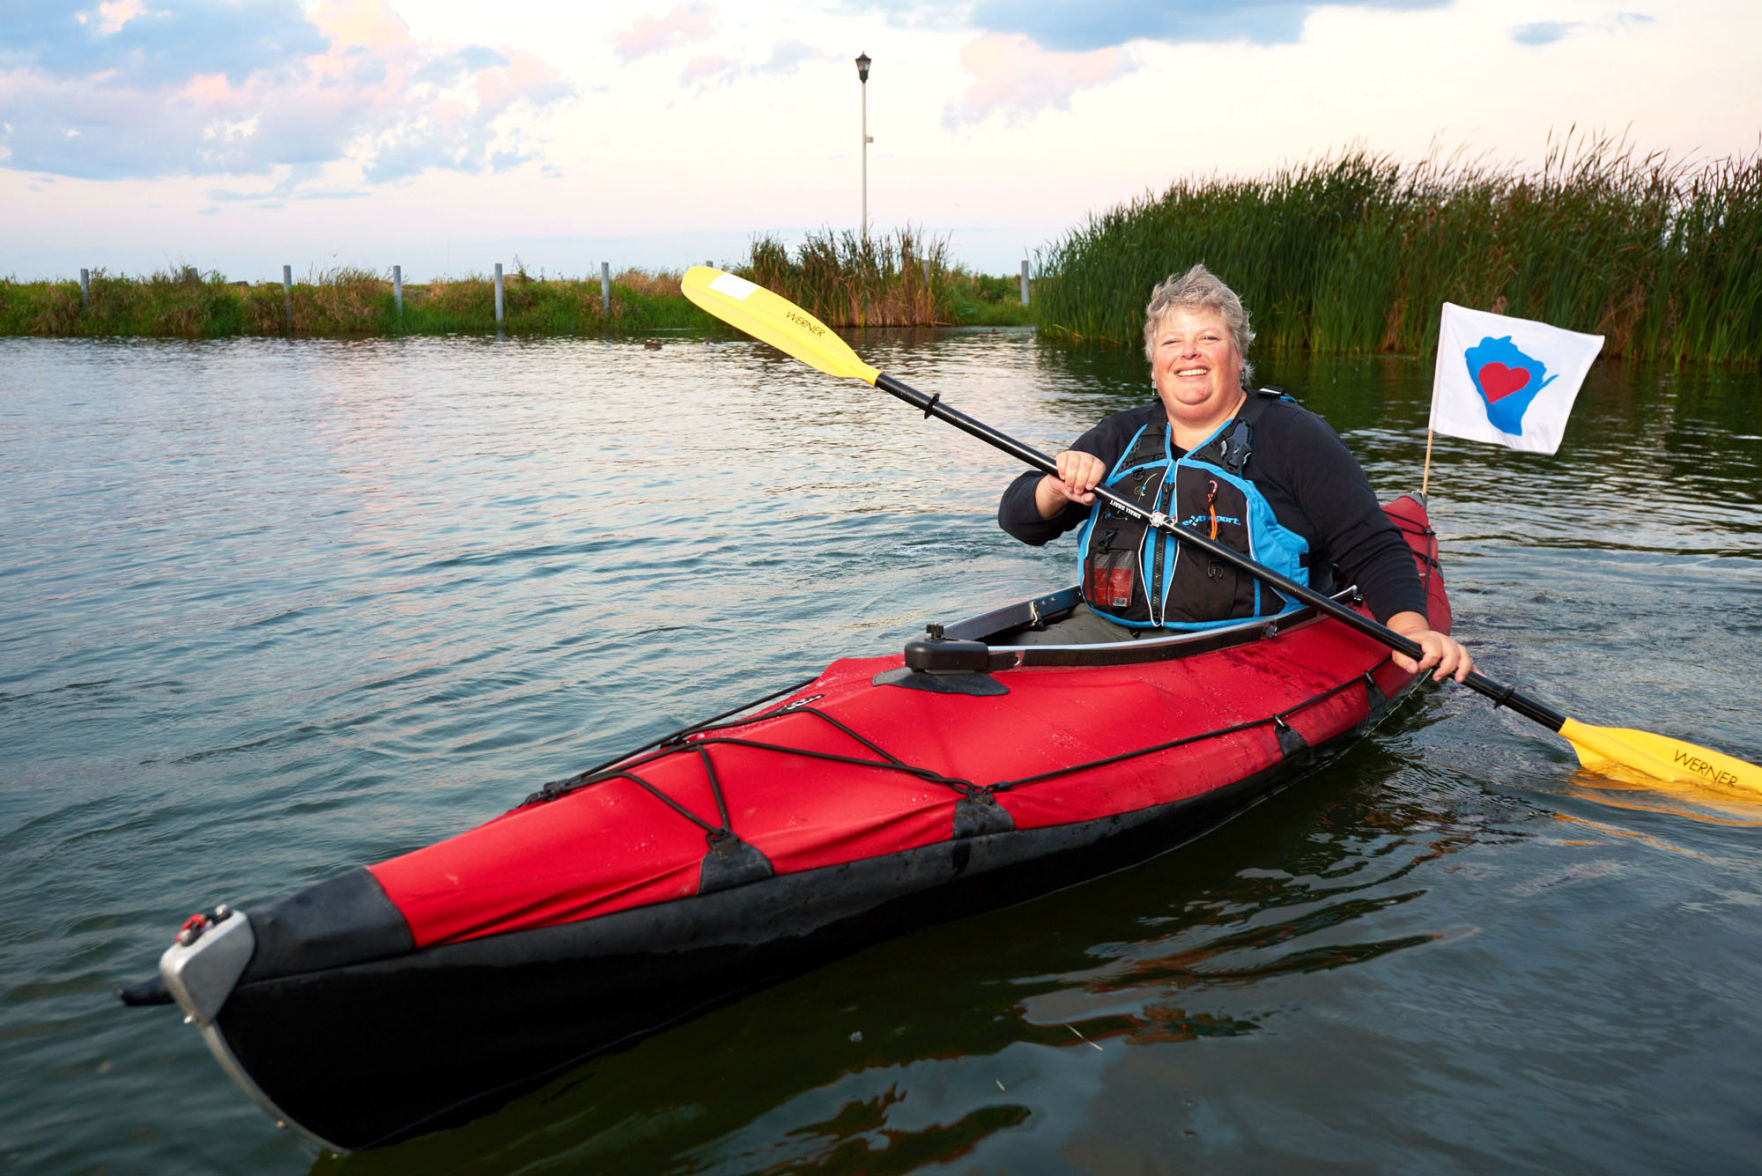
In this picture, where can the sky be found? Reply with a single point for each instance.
(444, 136)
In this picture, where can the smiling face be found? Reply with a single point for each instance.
(1197, 370)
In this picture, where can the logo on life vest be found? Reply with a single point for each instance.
(1195, 520)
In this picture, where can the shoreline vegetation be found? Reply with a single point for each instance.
(903, 279)
(1356, 253)
(900, 279)
(1351, 253)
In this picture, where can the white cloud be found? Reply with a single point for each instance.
(1014, 76)
(648, 35)
(1004, 152)
(714, 69)
(151, 93)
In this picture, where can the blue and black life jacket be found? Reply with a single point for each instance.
(1147, 579)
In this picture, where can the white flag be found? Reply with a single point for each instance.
(1510, 381)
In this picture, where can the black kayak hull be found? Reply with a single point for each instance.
(474, 1024)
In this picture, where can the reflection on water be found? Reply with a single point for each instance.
(269, 610)
(1660, 796)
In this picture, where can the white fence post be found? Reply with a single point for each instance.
(606, 288)
(1024, 281)
(85, 288)
(498, 293)
(287, 292)
(398, 289)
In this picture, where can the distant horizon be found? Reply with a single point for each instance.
(561, 257)
(242, 135)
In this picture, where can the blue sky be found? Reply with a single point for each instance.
(1079, 27)
(446, 136)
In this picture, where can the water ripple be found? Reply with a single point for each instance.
(275, 608)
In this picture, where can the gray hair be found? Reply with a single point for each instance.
(1199, 289)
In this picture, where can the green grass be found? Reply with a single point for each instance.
(981, 300)
(897, 281)
(1356, 253)
(341, 302)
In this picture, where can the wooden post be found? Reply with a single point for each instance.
(606, 288)
(287, 292)
(398, 289)
(85, 288)
(498, 293)
(1024, 281)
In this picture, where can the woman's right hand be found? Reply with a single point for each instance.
(1078, 475)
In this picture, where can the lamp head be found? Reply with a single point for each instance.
(863, 68)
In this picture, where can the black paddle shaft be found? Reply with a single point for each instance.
(1501, 695)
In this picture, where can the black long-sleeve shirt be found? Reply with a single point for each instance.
(1310, 479)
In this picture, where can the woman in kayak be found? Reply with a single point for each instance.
(1250, 469)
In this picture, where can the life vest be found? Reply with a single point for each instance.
(1146, 579)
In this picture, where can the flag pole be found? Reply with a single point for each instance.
(1425, 477)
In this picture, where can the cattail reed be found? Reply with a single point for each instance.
(1356, 253)
(898, 279)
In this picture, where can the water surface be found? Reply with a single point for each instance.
(272, 609)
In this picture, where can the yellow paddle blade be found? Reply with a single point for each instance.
(774, 319)
(1656, 755)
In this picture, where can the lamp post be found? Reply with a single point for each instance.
(863, 77)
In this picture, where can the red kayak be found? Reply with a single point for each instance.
(986, 765)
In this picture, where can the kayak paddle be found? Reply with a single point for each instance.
(773, 319)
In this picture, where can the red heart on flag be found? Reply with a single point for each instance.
(1499, 381)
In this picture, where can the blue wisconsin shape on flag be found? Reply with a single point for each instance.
(1507, 380)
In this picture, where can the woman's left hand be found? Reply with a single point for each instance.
(1440, 650)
